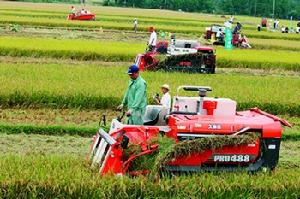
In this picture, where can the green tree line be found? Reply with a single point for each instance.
(264, 8)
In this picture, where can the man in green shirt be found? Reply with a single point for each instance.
(135, 98)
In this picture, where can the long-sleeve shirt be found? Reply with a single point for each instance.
(136, 97)
(166, 100)
(152, 39)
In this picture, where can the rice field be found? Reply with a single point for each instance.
(86, 86)
(111, 18)
(49, 175)
(58, 77)
(276, 43)
(75, 49)
(44, 8)
(124, 51)
(125, 25)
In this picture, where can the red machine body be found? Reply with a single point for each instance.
(82, 16)
(107, 150)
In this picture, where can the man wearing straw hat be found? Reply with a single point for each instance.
(135, 98)
(165, 100)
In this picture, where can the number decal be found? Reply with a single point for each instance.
(231, 158)
(246, 158)
(214, 126)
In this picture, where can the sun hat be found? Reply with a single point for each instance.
(166, 86)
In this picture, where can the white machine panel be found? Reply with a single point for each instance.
(225, 106)
(181, 51)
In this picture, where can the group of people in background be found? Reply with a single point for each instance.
(275, 26)
(285, 29)
(82, 11)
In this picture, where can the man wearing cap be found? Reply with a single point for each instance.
(152, 39)
(135, 98)
(166, 98)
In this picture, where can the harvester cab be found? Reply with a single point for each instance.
(208, 133)
(178, 55)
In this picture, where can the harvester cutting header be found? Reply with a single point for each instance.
(208, 135)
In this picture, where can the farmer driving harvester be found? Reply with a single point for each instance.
(73, 10)
(152, 40)
(220, 35)
(165, 100)
(135, 97)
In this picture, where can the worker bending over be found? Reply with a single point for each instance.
(152, 39)
(165, 100)
(135, 98)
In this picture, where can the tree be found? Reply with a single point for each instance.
(264, 8)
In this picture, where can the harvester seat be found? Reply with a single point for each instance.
(151, 116)
(154, 115)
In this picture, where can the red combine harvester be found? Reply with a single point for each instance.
(82, 15)
(191, 119)
(181, 55)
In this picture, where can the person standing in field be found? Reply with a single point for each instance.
(135, 98)
(231, 19)
(152, 39)
(277, 24)
(135, 25)
(165, 100)
(82, 2)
